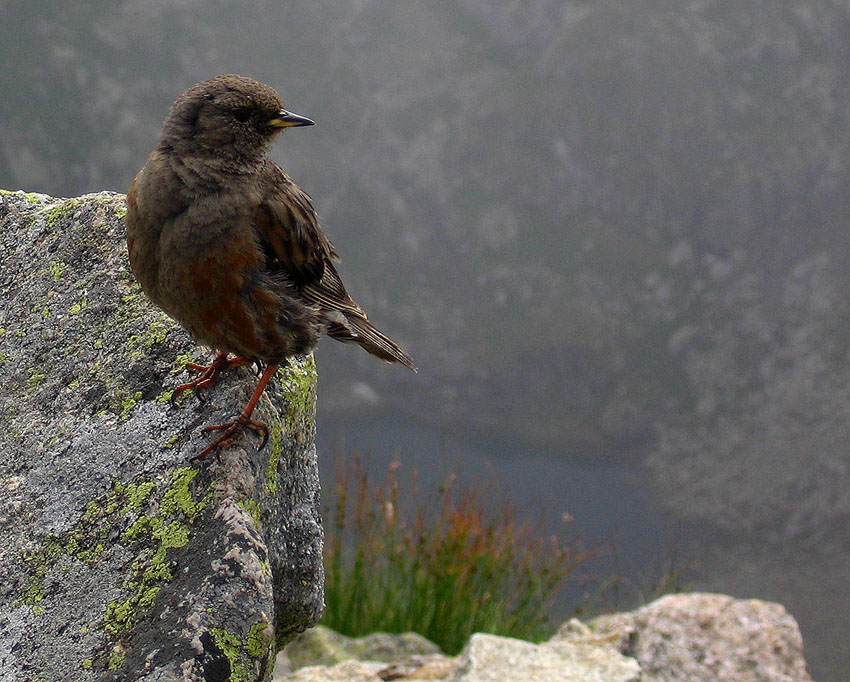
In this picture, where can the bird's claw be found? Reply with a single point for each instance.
(209, 375)
(233, 432)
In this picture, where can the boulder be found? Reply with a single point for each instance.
(323, 646)
(710, 637)
(678, 638)
(488, 658)
(120, 558)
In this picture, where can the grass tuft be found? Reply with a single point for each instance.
(446, 568)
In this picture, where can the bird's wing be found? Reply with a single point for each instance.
(296, 247)
(289, 230)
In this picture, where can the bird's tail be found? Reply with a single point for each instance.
(357, 329)
(346, 320)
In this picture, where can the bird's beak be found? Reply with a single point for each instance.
(286, 119)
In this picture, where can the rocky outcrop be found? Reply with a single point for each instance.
(120, 559)
(678, 638)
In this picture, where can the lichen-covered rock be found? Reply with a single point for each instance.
(711, 638)
(323, 646)
(121, 559)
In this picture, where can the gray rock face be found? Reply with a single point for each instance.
(120, 559)
(694, 637)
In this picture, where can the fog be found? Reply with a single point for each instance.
(611, 234)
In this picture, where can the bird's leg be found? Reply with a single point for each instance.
(209, 374)
(233, 430)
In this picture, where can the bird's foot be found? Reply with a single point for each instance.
(209, 374)
(233, 432)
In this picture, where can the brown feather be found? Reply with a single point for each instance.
(289, 230)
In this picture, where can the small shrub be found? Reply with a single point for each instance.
(445, 569)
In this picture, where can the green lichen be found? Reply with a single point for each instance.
(179, 496)
(56, 213)
(91, 555)
(299, 380)
(81, 305)
(118, 615)
(165, 397)
(155, 534)
(38, 564)
(56, 269)
(181, 361)
(241, 668)
(128, 403)
(93, 512)
(141, 527)
(118, 398)
(157, 333)
(258, 641)
(175, 534)
(251, 506)
(116, 660)
(31, 197)
(275, 451)
(36, 376)
(155, 523)
(137, 494)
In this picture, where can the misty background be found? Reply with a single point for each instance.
(612, 235)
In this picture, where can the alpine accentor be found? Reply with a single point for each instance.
(224, 242)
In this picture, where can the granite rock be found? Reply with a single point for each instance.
(119, 557)
(710, 637)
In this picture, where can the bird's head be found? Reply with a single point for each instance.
(228, 115)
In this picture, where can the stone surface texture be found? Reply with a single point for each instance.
(120, 558)
(685, 637)
(323, 646)
(488, 658)
(678, 638)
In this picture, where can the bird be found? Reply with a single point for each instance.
(221, 239)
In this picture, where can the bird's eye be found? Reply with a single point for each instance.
(242, 114)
